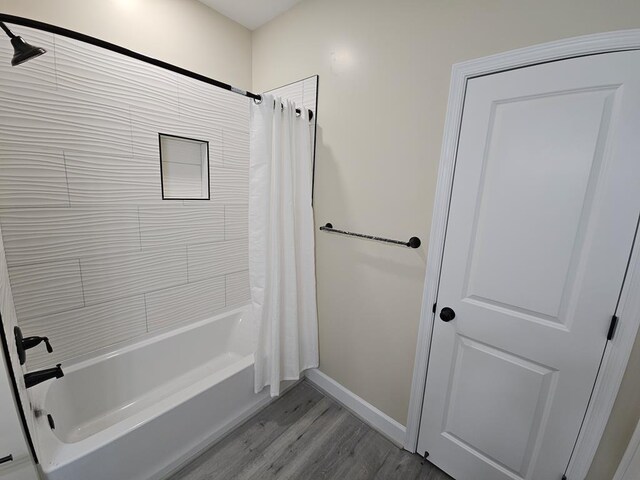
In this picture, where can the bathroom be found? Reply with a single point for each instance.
(450, 304)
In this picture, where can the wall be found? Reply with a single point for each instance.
(384, 71)
(95, 256)
(182, 32)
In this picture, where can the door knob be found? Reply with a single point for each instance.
(447, 314)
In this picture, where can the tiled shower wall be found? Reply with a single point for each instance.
(95, 256)
(303, 92)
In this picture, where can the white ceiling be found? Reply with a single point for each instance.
(251, 13)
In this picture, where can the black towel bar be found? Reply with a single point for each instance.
(414, 242)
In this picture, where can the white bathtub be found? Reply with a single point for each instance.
(141, 411)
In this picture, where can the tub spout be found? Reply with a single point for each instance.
(34, 378)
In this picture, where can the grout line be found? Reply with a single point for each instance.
(186, 251)
(146, 315)
(55, 61)
(222, 149)
(105, 302)
(125, 296)
(179, 285)
(139, 229)
(225, 289)
(182, 163)
(84, 301)
(131, 131)
(66, 177)
(63, 259)
(177, 80)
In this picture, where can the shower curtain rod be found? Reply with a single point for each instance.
(47, 27)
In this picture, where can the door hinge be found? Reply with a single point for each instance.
(612, 327)
(433, 309)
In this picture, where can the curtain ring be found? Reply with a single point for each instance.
(256, 101)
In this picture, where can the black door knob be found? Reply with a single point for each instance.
(447, 314)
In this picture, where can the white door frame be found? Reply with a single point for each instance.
(618, 350)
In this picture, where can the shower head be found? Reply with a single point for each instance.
(22, 51)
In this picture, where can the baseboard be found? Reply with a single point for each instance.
(369, 414)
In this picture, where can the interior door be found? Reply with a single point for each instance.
(543, 212)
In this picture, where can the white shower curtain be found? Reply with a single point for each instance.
(281, 243)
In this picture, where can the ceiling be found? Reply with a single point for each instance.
(251, 13)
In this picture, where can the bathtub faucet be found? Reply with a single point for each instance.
(25, 343)
(34, 378)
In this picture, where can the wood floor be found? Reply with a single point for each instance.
(305, 435)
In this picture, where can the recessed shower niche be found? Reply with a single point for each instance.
(184, 163)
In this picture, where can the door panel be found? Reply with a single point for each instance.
(517, 400)
(534, 142)
(542, 218)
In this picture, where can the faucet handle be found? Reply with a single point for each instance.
(25, 343)
(19, 345)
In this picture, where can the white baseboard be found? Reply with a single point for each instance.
(369, 414)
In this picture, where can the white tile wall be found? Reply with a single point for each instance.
(85, 330)
(46, 288)
(197, 222)
(95, 255)
(118, 276)
(63, 120)
(212, 106)
(310, 92)
(121, 81)
(178, 306)
(237, 288)
(41, 234)
(211, 259)
(236, 222)
(235, 148)
(112, 180)
(32, 176)
(41, 73)
(229, 185)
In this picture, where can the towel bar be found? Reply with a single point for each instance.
(414, 242)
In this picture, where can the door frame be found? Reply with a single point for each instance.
(618, 350)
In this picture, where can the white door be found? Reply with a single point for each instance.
(545, 202)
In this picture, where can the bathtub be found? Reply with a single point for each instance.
(141, 411)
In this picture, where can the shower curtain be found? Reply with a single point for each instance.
(281, 243)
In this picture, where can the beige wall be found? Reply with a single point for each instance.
(384, 71)
(182, 32)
